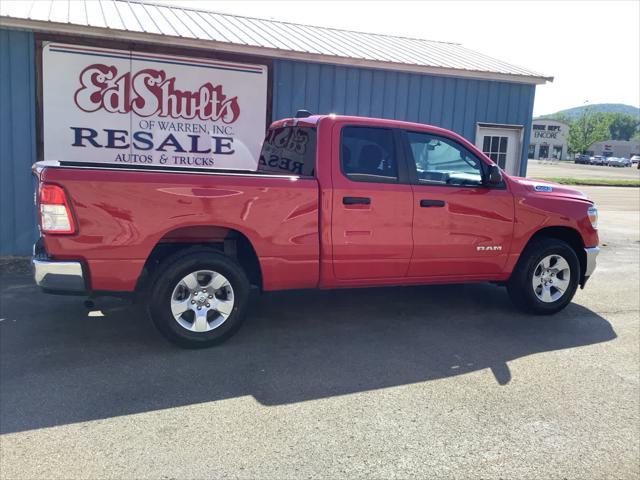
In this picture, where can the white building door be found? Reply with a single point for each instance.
(503, 144)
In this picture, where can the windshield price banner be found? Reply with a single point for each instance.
(133, 108)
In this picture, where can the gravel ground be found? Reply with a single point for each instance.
(421, 382)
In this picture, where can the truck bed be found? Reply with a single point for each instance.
(123, 214)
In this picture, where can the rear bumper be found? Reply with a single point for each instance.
(57, 276)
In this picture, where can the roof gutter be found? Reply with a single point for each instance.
(154, 38)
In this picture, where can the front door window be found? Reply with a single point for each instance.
(441, 161)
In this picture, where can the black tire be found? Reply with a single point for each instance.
(520, 285)
(170, 274)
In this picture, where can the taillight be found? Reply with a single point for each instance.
(55, 213)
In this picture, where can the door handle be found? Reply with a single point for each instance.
(431, 203)
(356, 200)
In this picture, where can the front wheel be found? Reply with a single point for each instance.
(545, 278)
(199, 298)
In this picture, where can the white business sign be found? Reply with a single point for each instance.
(133, 108)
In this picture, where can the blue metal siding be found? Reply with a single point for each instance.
(17, 142)
(457, 104)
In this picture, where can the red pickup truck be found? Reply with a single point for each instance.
(336, 202)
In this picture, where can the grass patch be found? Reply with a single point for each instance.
(596, 182)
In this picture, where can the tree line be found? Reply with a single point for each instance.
(592, 126)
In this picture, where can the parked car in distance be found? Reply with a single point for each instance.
(372, 202)
(635, 159)
(582, 159)
(598, 160)
(618, 162)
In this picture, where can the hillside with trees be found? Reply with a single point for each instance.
(575, 112)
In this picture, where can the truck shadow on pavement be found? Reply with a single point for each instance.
(59, 366)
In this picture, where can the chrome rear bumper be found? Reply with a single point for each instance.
(57, 277)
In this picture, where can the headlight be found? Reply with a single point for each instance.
(593, 216)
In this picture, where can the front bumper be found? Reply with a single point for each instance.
(57, 276)
(592, 253)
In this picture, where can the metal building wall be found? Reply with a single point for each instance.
(457, 104)
(17, 142)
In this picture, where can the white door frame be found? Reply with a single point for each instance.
(515, 168)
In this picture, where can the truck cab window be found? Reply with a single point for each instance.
(441, 161)
(289, 151)
(367, 154)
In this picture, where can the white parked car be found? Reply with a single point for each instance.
(635, 159)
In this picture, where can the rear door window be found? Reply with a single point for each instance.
(367, 154)
(289, 151)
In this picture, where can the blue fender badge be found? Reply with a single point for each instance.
(543, 188)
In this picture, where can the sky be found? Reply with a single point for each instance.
(591, 48)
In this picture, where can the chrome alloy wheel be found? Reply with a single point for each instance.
(551, 278)
(202, 301)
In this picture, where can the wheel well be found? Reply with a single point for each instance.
(230, 242)
(570, 236)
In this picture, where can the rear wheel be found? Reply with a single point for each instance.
(199, 298)
(546, 277)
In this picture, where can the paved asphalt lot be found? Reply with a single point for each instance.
(546, 169)
(445, 381)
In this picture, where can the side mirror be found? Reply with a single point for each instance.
(495, 175)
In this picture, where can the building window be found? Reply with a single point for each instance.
(495, 147)
(557, 152)
(543, 151)
(532, 151)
